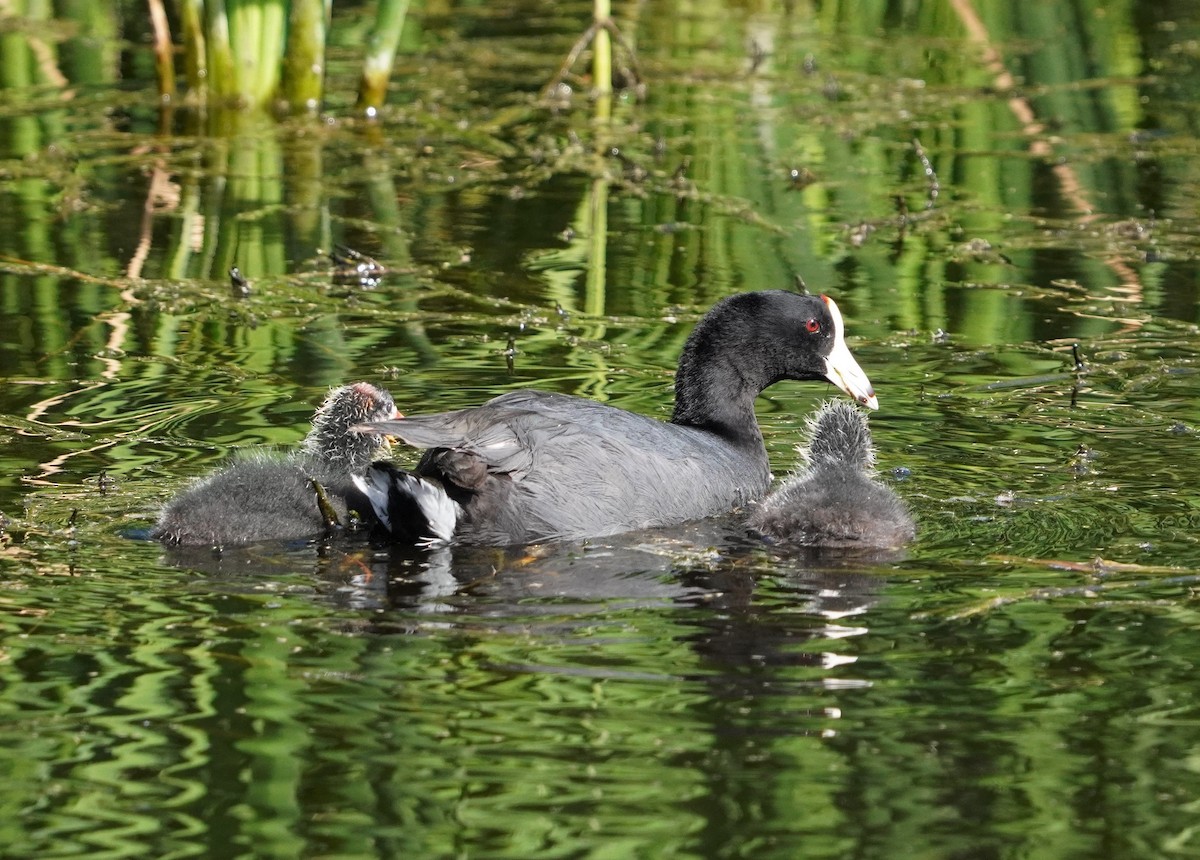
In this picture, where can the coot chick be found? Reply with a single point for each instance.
(266, 496)
(532, 466)
(834, 501)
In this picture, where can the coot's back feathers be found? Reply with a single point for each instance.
(532, 466)
(835, 500)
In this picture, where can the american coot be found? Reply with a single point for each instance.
(834, 502)
(267, 496)
(531, 466)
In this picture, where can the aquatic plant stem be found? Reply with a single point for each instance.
(272, 24)
(222, 71)
(597, 270)
(245, 27)
(597, 274)
(602, 49)
(381, 53)
(304, 60)
(599, 67)
(195, 58)
(164, 53)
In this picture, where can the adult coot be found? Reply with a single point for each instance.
(532, 466)
(834, 502)
(267, 496)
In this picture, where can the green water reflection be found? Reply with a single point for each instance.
(250, 718)
(996, 692)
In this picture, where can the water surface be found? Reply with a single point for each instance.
(1018, 684)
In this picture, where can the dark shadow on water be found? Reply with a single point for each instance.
(708, 565)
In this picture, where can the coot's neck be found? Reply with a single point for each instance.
(716, 384)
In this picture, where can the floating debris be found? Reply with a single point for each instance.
(352, 265)
(241, 286)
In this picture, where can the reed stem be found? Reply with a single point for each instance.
(381, 53)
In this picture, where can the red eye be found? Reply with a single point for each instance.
(812, 326)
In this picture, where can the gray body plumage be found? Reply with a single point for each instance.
(543, 466)
(835, 501)
(258, 497)
(265, 495)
